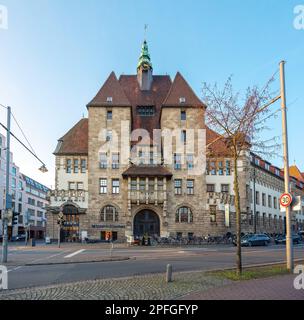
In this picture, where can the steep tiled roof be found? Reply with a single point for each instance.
(111, 89)
(75, 142)
(181, 89)
(147, 171)
(155, 97)
(217, 146)
(296, 173)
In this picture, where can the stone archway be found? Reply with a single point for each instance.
(146, 222)
(70, 231)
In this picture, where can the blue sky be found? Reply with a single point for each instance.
(56, 54)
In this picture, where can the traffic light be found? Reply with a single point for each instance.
(15, 218)
(9, 217)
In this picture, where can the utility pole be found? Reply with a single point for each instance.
(254, 200)
(289, 240)
(8, 202)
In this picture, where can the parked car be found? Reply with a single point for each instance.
(20, 237)
(252, 240)
(282, 239)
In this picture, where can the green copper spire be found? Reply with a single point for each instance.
(145, 60)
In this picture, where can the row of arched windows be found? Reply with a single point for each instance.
(110, 214)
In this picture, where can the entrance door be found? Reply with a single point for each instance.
(71, 228)
(146, 223)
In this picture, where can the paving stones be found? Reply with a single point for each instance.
(151, 287)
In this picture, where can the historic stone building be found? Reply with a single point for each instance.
(137, 165)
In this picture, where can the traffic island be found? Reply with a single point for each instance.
(252, 273)
(77, 261)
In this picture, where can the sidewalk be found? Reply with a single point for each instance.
(186, 286)
(278, 288)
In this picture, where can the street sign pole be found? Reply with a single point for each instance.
(289, 241)
(7, 194)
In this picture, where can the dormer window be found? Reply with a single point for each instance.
(109, 99)
(182, 100)
(146, 111)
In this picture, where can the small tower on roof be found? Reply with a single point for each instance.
(145, 69)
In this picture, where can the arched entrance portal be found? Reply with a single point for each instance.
(146, 222)
(70, 230)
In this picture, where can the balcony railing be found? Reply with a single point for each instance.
(149, 197)
(68, 195)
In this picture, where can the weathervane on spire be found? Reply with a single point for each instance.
(146, 29)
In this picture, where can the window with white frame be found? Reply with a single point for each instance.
(190, 161)
(225, 188)
(103, 161)
(178, 186)
(190, 187)
(103, 186)
(177, 161)
(109, 214)
(213, 168)
(83, 166)
(228, 168)
(115, 186)
(221, 168)
(133, 184)
(115, 161)
(69, 166)
(184, 215)
(76, 166)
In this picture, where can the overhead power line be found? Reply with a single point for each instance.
(30, 151)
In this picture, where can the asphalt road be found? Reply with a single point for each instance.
(142, 261)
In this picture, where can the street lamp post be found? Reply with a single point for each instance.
(289, 241)
(254, 200)
(8, 203)
(8, 198)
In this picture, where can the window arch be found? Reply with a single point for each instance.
(184, 215)
(109, 214)
(70, 210)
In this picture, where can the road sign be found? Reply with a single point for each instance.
(297, 204)
(286, 200)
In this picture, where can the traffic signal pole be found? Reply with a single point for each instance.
(289, 240)
(7, 194)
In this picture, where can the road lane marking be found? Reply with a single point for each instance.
(74, 254)
(37, 260)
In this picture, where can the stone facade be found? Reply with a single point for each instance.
(135, 185)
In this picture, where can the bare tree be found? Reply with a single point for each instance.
(240, 122)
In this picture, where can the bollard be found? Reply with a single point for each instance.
(111, 249)
(169, 278)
